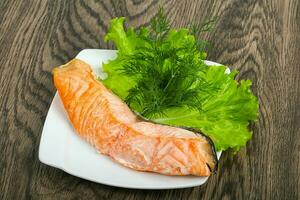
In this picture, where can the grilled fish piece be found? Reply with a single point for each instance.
(106, 122)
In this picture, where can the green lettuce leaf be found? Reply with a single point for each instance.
(125, 42)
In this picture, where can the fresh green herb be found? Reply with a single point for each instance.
(160, 72)
(196, 30)
(160, 25)
(165, 69)
(205, 27)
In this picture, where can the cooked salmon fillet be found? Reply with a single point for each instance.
(106, 122)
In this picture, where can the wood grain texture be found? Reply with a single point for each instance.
(261, 38)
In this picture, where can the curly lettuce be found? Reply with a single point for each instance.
(227, 106)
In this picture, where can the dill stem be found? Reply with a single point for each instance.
(171, 79)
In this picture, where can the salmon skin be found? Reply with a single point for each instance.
(106, 122)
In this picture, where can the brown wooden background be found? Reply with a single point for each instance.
(260, 38)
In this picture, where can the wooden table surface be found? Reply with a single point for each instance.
(260, 38)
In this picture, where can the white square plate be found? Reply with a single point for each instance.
(62, 148)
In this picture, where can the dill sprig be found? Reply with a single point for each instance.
(196, 30)
(159, 25)
(205, 27)
(166, 75)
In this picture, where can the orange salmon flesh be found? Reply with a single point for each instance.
(106, 122)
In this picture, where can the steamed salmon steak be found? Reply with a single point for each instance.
(106, 122)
